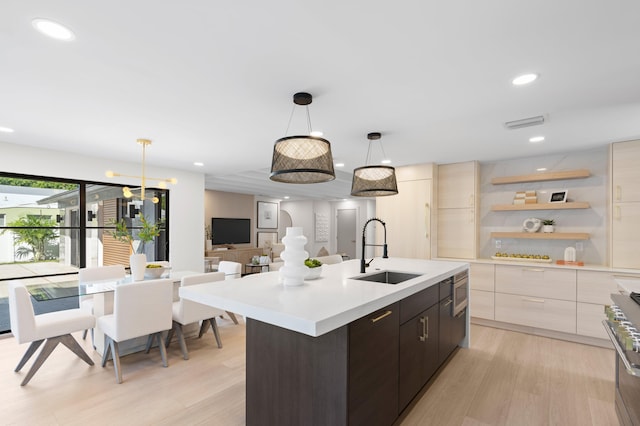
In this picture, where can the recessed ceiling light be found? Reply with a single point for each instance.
(199, 164)
(339, 164)
(524, 79)
(6, 130)
(286, 197)
(316, 133)
(385, 162)
(53, 29)
(541, 169)
(536, 139)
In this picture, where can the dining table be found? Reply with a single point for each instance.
(102, 292)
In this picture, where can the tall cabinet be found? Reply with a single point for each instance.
(408, 214)
(457, 193)
(625, 194)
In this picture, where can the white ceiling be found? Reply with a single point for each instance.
(213, 81)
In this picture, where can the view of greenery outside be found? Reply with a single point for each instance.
(46, 234)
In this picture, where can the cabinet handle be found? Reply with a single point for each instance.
(618, 213)
(529, 299)
(471, 200)
(450, 301)
(426, 220)
(425, 329)
(378, 318)
(618, 193)
(533, 270)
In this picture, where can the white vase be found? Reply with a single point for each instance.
(138, 264)
(547, 228)
(208, 245)
(294, 255)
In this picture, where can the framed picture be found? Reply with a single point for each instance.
(267, 215)
(267, 238)
(558, 196)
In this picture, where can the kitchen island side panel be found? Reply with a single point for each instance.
(295, 379)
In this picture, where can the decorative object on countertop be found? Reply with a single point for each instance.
(547, 225)
(531, 224)
(305, 158)
(153, 270)
(538, 258)
(570, 258)
(294, 270)
(315, 269)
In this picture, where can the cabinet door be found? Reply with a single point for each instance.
(418, 354)
(596, 287)
(457, 233)
(481, 304)
(625, 235)
(447, 342)
(590, 318)
(373, 368)
(482, 276)
(536, 281)
(550, 314)
(626, 173)
(457, 185)
(408, 219)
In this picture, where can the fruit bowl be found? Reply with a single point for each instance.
(154, 271)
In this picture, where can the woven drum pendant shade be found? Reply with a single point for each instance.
(374, 181)
(302, 159)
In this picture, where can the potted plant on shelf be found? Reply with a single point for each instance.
(137, 258)
(547, 225)
(208, 242)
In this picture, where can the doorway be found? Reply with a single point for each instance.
(346, 232)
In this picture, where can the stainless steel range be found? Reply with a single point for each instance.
(623, 327)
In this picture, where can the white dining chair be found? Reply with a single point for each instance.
(97, 274)
(139, 309)
(51, 328)
(232, 271)
(187, 312)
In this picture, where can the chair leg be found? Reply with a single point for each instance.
(233, 317)
(203, 328)
(49, 346)
(170, 334)
(106, 350)
(33, 347)
(163, 350)
(181, 342)
(74, 347)
(84, 335)
(216, 333)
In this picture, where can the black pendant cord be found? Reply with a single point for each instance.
(286, 133)
(367, 160)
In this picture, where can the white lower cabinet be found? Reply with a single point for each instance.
(589, 317)
(550, 314)
(482, 304)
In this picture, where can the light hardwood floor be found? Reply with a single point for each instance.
(505, 378)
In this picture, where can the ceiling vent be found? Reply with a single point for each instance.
(525, 122)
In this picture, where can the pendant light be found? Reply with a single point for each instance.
(374, 181)
(302, 159)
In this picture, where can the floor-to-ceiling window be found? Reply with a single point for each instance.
(51, 227)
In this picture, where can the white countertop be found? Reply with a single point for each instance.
(629, 285)
(323, 304)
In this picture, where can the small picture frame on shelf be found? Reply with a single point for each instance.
(558, 196)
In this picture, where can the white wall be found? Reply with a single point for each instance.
(186, 197)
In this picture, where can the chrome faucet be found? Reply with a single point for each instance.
(363, 263)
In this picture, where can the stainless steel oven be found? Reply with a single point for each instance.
(623, 327)
(460, 293)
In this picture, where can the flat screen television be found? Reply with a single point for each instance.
(230, 230)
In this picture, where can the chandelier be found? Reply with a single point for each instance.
(140, 194)
(374, 180)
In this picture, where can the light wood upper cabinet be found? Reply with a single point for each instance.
(626, 171)
(408, 214)
(457, 185)
(457, 233)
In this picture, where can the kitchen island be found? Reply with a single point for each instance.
(329, 351)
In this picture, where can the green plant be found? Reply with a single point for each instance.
(312, 263)
(207, 232)
(37, 233)
(147, 232)
(548, 222)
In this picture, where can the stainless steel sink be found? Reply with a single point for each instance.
(387, 277)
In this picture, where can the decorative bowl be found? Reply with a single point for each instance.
(313, 273)
(155, 272)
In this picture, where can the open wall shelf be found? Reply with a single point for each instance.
(540, 206)
(541, 177)
(542, 235)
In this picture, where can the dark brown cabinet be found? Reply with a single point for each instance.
(373, 368)
(418, 354)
